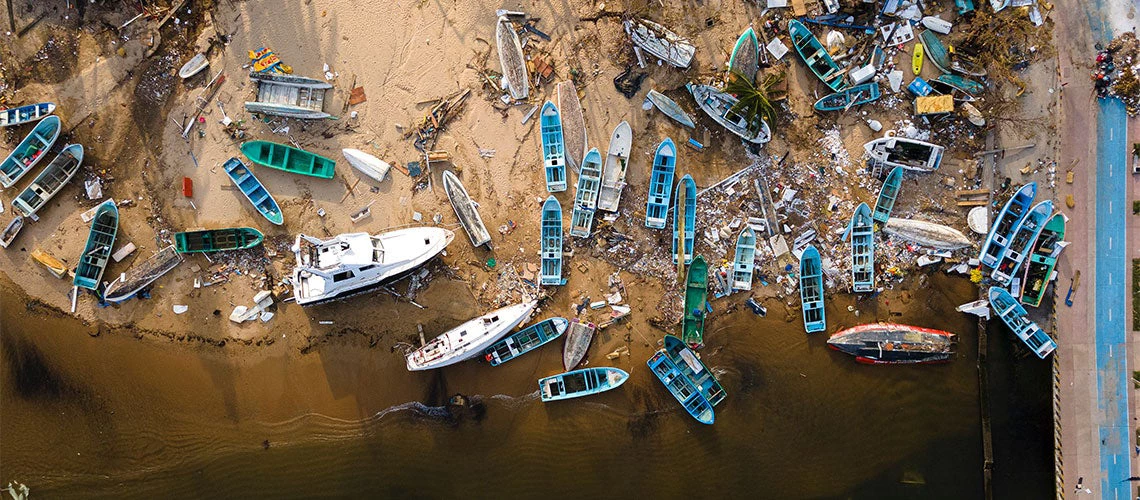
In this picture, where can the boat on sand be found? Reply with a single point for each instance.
(142, 275)
(614, 170)
(466, 210)
(696, 294)
(469, 339)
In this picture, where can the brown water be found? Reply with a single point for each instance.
(86, 416)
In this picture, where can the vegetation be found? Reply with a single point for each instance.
(1136, 207)
(754, 100)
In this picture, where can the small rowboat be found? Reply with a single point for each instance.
(217, 240)
(466, 210)
(288, 159)
(580, 383)
(816, 57)
(617, 163)
(371, 166)
(661, 43)
(25, 114)
(862, 250)
(670, 107)
(50, 182)
(525, 340)
(661, 185)
(553, 152)
(577, 343)
(696, 294)
(573, 124)
(253, 190)
(511, 59)
(552, 242)
(744, 262)
(586, 195)
(935, 51)
(194, 66)
(11, 230)
(745, 58)
(142, 275)
(685, 210)
(1015, 317)
(97, 251)
(887, 195)
(811, 290)
(30, 151)
(849, 98)
(935, 23)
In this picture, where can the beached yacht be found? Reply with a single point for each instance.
(351, 263)
(469, 339)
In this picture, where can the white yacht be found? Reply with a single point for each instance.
(469, 339)
(350, 263)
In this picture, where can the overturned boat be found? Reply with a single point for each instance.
(142, 275)
(889, 343)
(511, 59)
(745, 58)
(661, 43)
(466, 210)
(910, 154)
(670, 107)
(289, 96)
(573, 124)
(927, 234)
(469, 339)
(685, 219)
(577, 343)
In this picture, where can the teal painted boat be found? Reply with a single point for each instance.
(681, 387)
(29, 151)
(289, 159)
(887, 195)
(217, 240)
(97, 251)
(253, 190)
(816, 57)
(552, 243)
(935, 51)
(745, 57)
(744, 262)
(686, 194)
(670, 107)
(811, 290)
(695, 370)
(696, 294)
(959, 83)
(1007, 222)
(1022, 242)
(1039, 269)
(661, 184)
(553, 152)
(862, 250)
(849, 97)
(586, 195)
(26, 114)
(1015, 317)
(525, 340)
(50, 182)
(584, 382)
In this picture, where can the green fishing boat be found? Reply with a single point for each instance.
(217, 240)
(696, 293)
(1039, 269)
(935, 50)
(816, 57)
(289, 159)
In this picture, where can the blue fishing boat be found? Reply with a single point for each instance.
(849, 98)
(744, 262)
(695, 370)
(681, 387)
(525, 340)
(1015, 317)
(552, 243)
(586, 195)
(685, 209)
(253, 190)
(553, 153)
(816, 57)
(661, 184)
(97, 252)
(862, 230)
(811, 290)
(50, 181)
(745, 58)
(29, 151)
(670, 107)
(26, 114)
(887, 195)
(1006, 224)
(1022, 242)
(935, 50)
(582, 382)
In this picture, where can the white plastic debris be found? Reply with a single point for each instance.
(179, 308)
(875, 125)
(895, 78)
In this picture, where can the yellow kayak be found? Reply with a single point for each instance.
(916, 59)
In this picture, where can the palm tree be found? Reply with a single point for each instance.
(753, 100)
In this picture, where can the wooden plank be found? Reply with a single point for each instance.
(972, 203)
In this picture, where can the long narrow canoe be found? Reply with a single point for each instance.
(29, 151)
(745, 57)
(217, 240)
(586, 195)
(552, 242)
(670, 107)
(696, 294)
(687, 189)
(1006, 224)
(1015, 317)
(616, 166)
(661, 185)
(811, 290)
(695, 370)
(466, 210)
(26, 114)
(681, 387)
(97, 251)
(719, 106)
(1039, 269)
(849, 97)
(511, 59)
(573, 124)
(862, 250)
(887, 195)
(138, 277)
(253, 190)
(935, 51)
(1022, 243)
(553, 154)
(525, 340)
(816, 57)
(661, 43)
(584, 382)
(289, 159)
(50, 182)
(577, 343)
(744, 262)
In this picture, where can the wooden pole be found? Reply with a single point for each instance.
(11, 17)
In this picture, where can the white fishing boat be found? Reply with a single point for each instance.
(927, 234)
(355, 262)
(718, 105)
(511, 59)
(469, 339)
(466, 210)
(617, 162)
(375, 168)
(660, 42)
(910, 154)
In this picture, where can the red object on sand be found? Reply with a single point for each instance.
(187, 187)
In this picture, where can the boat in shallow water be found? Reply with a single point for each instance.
(685, 210)
(525, 340)
(578, 383)
(29, 151)
(617, 163)
(816, 57)
(578, 340)
(466, 210)
(1039, 268)
(659, 42)
(551, 243)
(26, 114)
(661, 184)
(888, 194)
(217, 240)
(289, 159)
(586, 195)
(927, 234)
(910, 154)
(253, 190)
(849, 97)
(862, 250)
(718, 105)
(553, 155)
(811, 290)
(691, 366)
(744, 261)
(670, 107)
(50, 182)
(696, 294)
(888, 343)
(1015, 317)
(745, 58)
(573, 124)
(142, 275)
(1022, 243)
(1006, 223)
(511, 59)
(469, 339)
(681, 387)
(97, 251)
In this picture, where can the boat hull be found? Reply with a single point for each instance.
(1006, 223)
(617, 163)
(466, 211)
(511, 59)
(670, 108)
(578, 338)
(586, 195)
(579, 383)
(862, 250)
(26, 114)
(1015, 317)
(142, 275)
(685, 209)
(371, 166)
(573, 124)
(661, 185)
(886, 343)
(745, 58)
(816, 57)
(553, 154)
(744, 261)
(681, 387)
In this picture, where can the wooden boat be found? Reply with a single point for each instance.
(927, 234)
(1015, 317)
(862, 250)
(935, 23)
(887, 195)
(670, 107)
(1039, 269)
(97, 251)
(1022, 243)
(511, 59)
(142, 275)
(290, 96)
(617, 163)
(916, 59)
(811, 290)
(816, 57)
(681, 387)
(586, 195)
(696, 294)
(288, 159)
(466, 210)
(468, 339)
(194, 66)
(577, 343)
(253, 190)
(911, 154)
(849, 97)
(894, 344)
(966, 66)
(552, 243)
(525, 340)
(11, 230)
(578, 383)
(745, 58)
(54, 266)
(29, 151)
(744, 262)
(1006, 223)
(685, 209)
(661, 184)
(694, 369)
(718, 105)
(26, 114)
(371, 166)
(553, 155)
(50, 182)
(217, 240)
(660, 42)
(573, 124)
(934, 51)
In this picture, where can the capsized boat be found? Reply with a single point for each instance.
(718, 105)
(811, 290)
(290, 96)
(29, 151)
(371, 166)
(744, 262)
(745, 58)
(691, 366)
(910, 154)
(525, 340)
(511, 59)
(466, 210)
(661, 184)
(97, 251)
(617, 162)
(816, 57)
(584, 382)
(552, 242)
(573, 124)
(670, 107)
(1015, 317)
(1006, 224)
(54, 266)
(935, 51)
(927, 234)
(885, 203)
(253, 190)
(696, 294)
(1022, 243)
(577, 343)
(26, 114)
(194, 66)
(553, 155)
(862, 250)
(1039, 269)
(849, 97)
(681, 387)
(966, 66)
(889, 343)
(586, 195)
(142, 275)
(217, 240)
(353, 263)
(660, 42)
(685, 210)
(288, 159)
(11, 230)
(980, 308)
(948, 83)
(50, 182)
(468, 339)
(937, 24)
